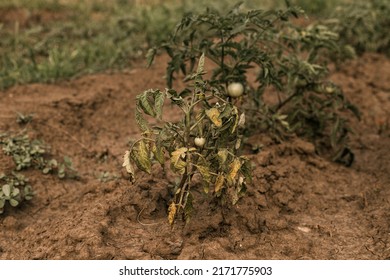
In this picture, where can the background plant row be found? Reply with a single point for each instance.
(63, 39)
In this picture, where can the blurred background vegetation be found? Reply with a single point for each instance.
(47, 40)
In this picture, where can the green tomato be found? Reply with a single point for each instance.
(235, 90)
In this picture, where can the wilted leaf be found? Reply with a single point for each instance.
(177, 161)
(200, 69)
(205, 172)
(219, 183)
(238, 143)
(129, 167)
(234, 167)
(158, 103)
(172, 212)
(213, 115)
(158, 153)
(143, 125)
(222, 156)
(145, 104)
(141, 157)
(241, 121)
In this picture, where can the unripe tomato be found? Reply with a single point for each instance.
(235, 90)
(200, 141)
(329, 89)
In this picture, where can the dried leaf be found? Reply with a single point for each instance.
(205, 172)
(177, 161)
(200, 69)
(241, 121)
(129, 167)
(213, 115)
(234, 167)
(219, 183)
(238, 143)
(172, 212)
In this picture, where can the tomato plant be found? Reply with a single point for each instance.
(204, 144)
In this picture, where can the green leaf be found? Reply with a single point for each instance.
(28, 193)
(15, 192)
(150, 56)
(13, 202)
(46, 170)
(6, 190)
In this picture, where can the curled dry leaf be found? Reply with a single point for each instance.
(177, 159)
(219, 183)
(234, 167)
(129, 167)
(213, 115)
(172, 212)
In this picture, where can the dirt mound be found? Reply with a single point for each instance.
(299, 206)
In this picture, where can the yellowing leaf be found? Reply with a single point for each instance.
(213, 115)
(200, 69)
(177, 161)
(141, 157)
(142, 124)
(219, 183)
(234, 167)
(222, 156)
(158, 153)
(172, 213)
(205, 172)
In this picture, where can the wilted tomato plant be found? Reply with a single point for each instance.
(204, 144)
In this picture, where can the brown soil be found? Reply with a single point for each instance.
(300, 206)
